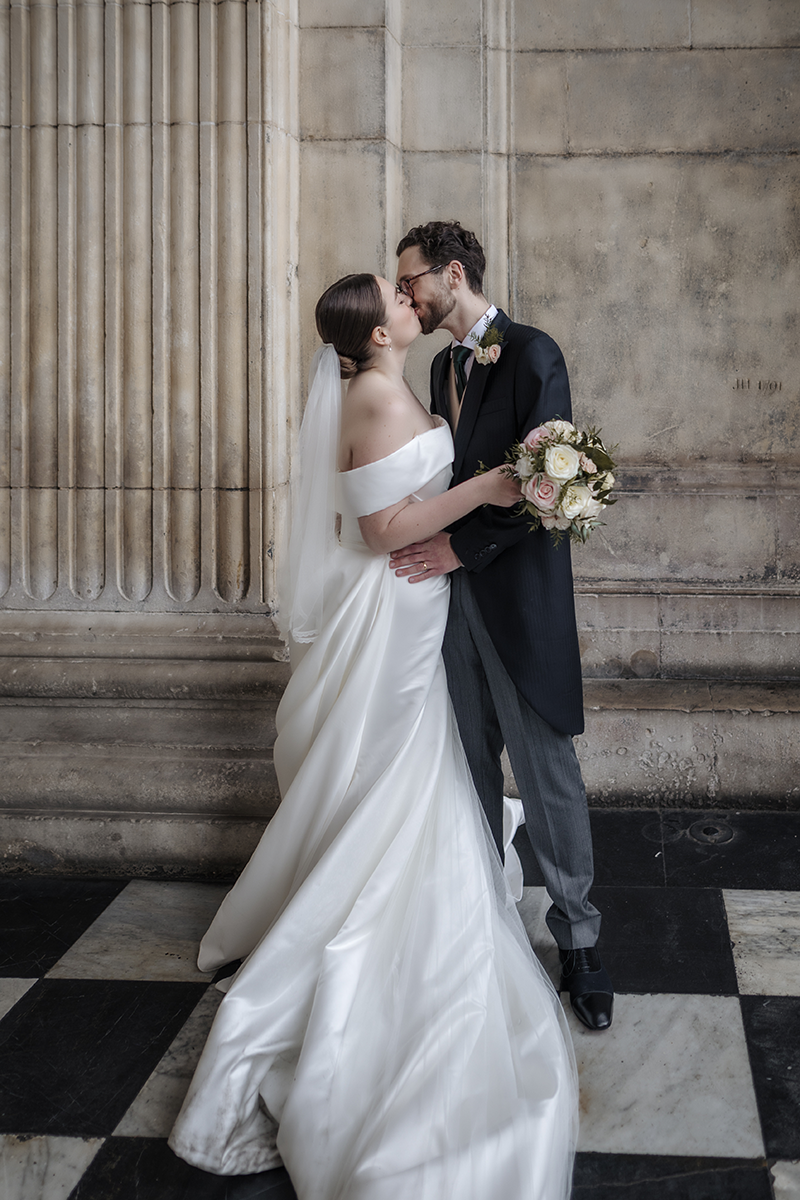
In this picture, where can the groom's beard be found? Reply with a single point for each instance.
(436, 310)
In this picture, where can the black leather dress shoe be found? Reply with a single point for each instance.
(587, 981)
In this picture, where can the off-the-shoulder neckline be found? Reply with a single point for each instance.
(436, 429)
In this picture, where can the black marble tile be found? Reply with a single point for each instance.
(628, 849)
(772, 1029)
(657, 1177)
(41, 918)
(732, 850)
(146, 1169)
(74, 1053)
(662, 940)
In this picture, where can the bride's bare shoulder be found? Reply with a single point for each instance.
(377, 418)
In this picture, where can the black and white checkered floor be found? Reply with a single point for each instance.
(694, 1094)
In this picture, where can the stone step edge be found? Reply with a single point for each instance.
(692, 695)
(122, 681)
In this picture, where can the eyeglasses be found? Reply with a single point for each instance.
(405, 287)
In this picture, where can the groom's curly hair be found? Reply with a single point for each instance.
(442, 242)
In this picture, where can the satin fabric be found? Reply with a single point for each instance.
(390, 1034)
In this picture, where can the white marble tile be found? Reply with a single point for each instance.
(12, 990)
(151, 931)
(786, 1180)
(533, 909)
(765, 931)
(671, 1076)
(43, 1168)
(154, 1110)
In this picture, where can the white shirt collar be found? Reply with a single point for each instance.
(478, 329)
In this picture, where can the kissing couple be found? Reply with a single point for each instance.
(389, 1033)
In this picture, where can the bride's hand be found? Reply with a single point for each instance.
(503, 490)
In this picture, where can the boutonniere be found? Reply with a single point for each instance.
(487, 348)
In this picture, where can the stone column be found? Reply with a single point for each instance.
(149, 349)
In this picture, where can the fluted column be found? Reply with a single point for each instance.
(82, 389)
(139, 259)
(5, 299)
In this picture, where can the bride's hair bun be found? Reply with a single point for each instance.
(347, 366)
(346, 315)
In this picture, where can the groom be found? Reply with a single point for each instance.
(511, 646)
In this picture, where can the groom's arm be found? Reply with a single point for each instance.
(540, 393)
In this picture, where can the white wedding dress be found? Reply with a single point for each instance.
(390, 1035)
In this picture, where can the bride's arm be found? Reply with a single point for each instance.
(414, 521)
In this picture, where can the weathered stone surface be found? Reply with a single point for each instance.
(602, 24)
(345, 95)
(677, 745)
(684, 101)
(442, 93)
(343, 197)
(160, 779)
(241, 726)
(140, 679)
(448, 22)
(333, 13)
(140, 635)
(716, 636)
(695, 538)
(191, 847)
(743, 23)
(139, 756)
(540, 103)
(645, 270)
(435, 187)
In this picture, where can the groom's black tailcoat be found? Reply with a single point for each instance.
(522, 583)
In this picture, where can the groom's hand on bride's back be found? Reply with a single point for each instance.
(425, 560)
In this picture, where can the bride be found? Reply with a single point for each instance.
(390, 1034)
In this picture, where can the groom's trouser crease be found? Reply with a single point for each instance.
(490, 712)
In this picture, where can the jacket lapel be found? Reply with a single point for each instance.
(441, 366)
(471, 402)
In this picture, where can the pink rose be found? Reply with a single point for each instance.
(542, 492)
(536, 436)
(494, 352)
(587, 464)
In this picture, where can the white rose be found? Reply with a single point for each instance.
(592, 509)
(603, 483)
(524, 467)
(563, 429)
(555, 522)
(576, 500)
(482, 355)
(561, 462)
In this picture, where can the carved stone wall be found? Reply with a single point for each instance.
(185, 178)
(633, 173)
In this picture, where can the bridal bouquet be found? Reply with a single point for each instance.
(566, 477)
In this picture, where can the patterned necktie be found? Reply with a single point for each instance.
(460, 356)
